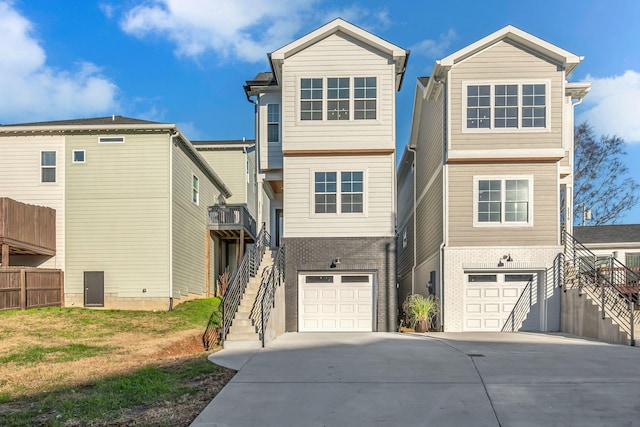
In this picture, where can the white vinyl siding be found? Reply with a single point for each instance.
(338, 56)
(21, 175)
(270, 151)
(377, 218)
(115, 226)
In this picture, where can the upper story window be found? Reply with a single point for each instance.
(48, 166)
(311, 99)
(506, 106)
(364, 105)
(273, 123)
(111, 139)
(78, 156)
(501, 201)
(345, 196)
(195, 193)
(338, 96)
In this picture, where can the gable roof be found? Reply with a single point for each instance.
(621, 233)
(399, 55)
(568, 60)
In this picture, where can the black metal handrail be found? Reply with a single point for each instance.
(609, 282)
(248, 267)
(272, 277)
(530, 294)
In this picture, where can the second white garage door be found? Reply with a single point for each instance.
(335, 302)
(490, 298)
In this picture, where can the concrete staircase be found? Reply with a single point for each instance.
(242, 333)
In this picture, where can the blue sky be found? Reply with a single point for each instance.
(185, 61)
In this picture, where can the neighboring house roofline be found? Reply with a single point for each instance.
(115, 124)
(568, 60)
(607, 234)
(399, 55)
(577, 90)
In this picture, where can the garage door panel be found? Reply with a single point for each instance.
(487, 305)
(329, 304)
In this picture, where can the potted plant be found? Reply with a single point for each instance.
(420, 311)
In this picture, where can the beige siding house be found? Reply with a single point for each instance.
(325, 137)
(491, 144)
(132, 202)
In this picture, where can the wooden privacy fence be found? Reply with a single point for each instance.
(28, 287)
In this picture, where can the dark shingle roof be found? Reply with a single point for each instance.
(110, 120)
(608, 233)
(224, 142)
(262, 79)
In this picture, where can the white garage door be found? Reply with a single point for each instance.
(335, 302)
(490, 299)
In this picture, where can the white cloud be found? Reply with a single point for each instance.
(243, 29)
(613, 105)
(33, 91)
(107, 9)
(434, 49)
(371, 20)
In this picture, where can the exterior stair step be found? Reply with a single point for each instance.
(242, 329)
(243, 336)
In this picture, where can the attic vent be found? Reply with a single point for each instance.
(111, 139)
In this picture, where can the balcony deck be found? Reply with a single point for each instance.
(232, 222)
(26, 229)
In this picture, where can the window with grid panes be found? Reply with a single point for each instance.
(351, 192)
(325, 192)
(273, 123)
(311, 99)
(364, 95)
(338, 98)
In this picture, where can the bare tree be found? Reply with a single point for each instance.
(600, 178)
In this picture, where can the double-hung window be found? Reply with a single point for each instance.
(503, 201)
(338, 97)
(341, 192)
(311, 99)
(48, 166)
(351, 189)
(512, 106)
(325, 192)
(273, 123)
(364, 104)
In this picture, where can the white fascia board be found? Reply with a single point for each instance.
(512, 33)
(506, 154)
(577, 90)
(71, 128)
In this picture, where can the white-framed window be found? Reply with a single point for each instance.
(404, 239)
(506, 106)
(273, 122)
(195, 187)
(47, 166)
(365, 91)
(338, 97)
(503, 201)
(79, 156)
(111, 139)
(338, 192)
(311, 99)
(325, 193)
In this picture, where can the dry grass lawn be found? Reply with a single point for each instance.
(44, 351)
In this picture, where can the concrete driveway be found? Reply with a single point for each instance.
(439, 379)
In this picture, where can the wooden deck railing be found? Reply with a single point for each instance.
(29, 287)
(27, 227)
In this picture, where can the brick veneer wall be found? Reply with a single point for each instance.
(375, 255)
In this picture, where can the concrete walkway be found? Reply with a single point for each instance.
(438, 379)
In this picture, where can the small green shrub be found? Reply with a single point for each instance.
(417, 308)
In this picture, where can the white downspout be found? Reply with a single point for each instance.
(444, 201)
